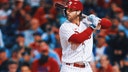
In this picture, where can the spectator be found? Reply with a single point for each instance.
(119, 47)
(113, 10)
(45, 13)
(17, 54)
(20, 41)
(37, 37)
(12, 66)
(14, 55)
(119, 13)
(25, 67)
(51, 53)
(3, 60)
(116, 22)
(4, 12)
(113, 30)
(105, 64)
(26, 57)
(34, 27)
(101, 47)
(49, 36)
(45, 63)
(18, 17)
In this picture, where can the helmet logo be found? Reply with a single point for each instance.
(70, 3)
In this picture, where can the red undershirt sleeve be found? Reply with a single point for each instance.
(80, 37)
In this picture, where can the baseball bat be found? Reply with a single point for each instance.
(59, 6)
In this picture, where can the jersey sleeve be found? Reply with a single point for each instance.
(66, 31)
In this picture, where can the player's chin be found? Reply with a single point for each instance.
(70, 18)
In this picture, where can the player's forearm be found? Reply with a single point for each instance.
(79, 38)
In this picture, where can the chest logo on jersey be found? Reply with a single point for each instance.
(76, 30)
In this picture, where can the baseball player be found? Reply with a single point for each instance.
(76, 36)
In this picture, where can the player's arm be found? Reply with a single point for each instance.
(81, 37)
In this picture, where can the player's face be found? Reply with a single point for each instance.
(71, 14)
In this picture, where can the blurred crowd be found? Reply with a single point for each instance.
(29, 38)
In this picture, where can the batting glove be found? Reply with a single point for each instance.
(95, 20)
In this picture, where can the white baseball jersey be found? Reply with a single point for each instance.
(75, 52)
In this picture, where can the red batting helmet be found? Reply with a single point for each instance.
(75, 4)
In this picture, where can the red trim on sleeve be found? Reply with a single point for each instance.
(80, 37)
